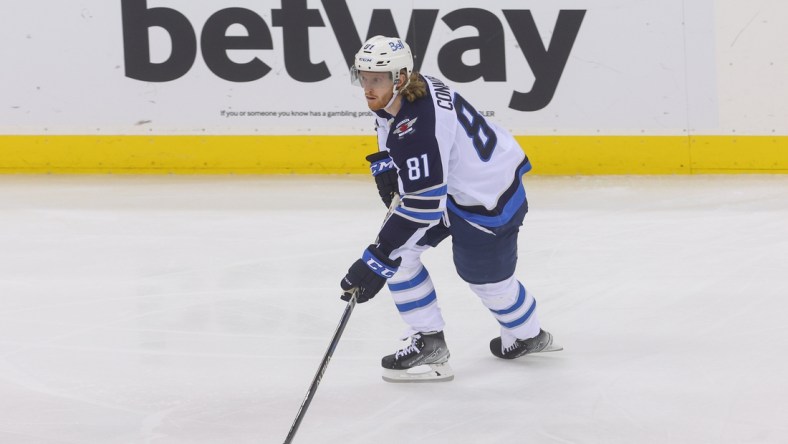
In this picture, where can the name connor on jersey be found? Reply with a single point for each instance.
(405, 127)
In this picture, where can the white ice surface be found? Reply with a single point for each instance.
(197, 309)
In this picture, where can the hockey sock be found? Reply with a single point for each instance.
(512, 306)
(415, 298)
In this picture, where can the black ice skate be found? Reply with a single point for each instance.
(541, 343)
(426, 359)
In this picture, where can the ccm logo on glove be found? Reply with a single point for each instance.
(386, 179)
(368, 274)
(382, 166)
(380, 269)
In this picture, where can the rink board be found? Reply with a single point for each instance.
(606, 87)
(550, 155)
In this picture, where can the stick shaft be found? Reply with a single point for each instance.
(323, 365)
(351, 304)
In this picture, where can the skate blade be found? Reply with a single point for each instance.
(422, 373)
(551, 348)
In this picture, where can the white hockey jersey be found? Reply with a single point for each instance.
(448, 156)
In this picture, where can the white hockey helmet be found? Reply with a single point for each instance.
(383, 54)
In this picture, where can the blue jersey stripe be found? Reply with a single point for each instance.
(426, 216)
(434, 192)
(511, 206)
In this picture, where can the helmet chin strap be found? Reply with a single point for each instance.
(395, 95)
(391, 102)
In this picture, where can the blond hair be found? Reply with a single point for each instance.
(415, 89)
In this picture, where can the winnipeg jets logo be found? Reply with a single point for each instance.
(405, 127)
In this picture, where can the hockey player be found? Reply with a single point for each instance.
(458, 175)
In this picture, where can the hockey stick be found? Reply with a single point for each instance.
(351, 304)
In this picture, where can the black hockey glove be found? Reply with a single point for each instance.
(385, 175)
(368, 274)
